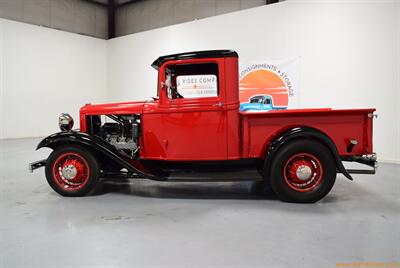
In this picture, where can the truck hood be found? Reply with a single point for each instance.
(135, 107)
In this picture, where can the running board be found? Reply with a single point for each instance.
(189, 179)
(362, 171)
(129, 175)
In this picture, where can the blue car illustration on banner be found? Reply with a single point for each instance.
(260, 103)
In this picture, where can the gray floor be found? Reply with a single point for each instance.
(146, 223)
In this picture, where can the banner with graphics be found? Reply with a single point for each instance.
(269, 85)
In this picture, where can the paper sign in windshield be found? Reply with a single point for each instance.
(197, 86)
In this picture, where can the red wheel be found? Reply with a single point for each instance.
(72, 171)
(303, 171)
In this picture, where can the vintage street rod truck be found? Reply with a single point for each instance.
(197, 132)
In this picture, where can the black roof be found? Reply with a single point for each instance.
(194, 55)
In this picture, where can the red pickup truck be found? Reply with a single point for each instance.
(194, 130)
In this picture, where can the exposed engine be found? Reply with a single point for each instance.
(122, 132)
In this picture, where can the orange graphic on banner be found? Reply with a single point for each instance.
(264, 82)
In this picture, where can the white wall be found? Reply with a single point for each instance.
(1, 80)
(44, 72)
(349, 55)
(398, 81)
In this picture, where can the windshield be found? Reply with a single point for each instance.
(256, 100)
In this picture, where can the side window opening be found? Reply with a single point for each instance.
(192, 81)
(267, 101)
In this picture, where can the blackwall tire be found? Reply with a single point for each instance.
(65, 162)
(303, 171)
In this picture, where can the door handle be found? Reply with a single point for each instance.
(219, 104)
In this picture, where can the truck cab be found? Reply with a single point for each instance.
(196, 116)
(195, 126)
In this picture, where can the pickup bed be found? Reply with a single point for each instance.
(341, 126)
(195, 127)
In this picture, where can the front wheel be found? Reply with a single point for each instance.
(72, 171)
(303, 171)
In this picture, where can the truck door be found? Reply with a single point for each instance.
(194, 118)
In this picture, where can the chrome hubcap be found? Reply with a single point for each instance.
(303, 172)
(69, 172)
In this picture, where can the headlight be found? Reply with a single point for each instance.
(65, 122)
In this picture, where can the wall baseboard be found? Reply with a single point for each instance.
(388, 161)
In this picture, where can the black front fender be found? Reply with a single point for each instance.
(308, 133)
(74, 137)
(94, 144)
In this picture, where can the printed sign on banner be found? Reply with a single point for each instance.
(269, 85)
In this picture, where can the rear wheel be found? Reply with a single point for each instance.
(72, 171)
(303, 171)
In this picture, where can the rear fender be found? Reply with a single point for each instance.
(308, 133)
(94, 144)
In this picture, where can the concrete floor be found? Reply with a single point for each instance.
(153, 224)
